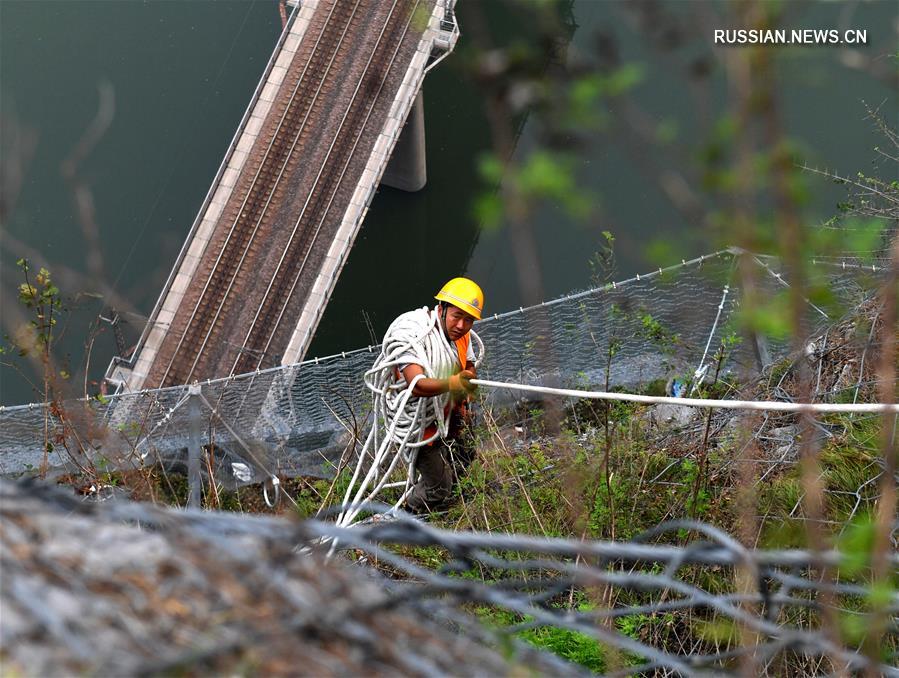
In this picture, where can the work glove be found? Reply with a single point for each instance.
(461, 382)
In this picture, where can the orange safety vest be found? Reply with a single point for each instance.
(462, 349)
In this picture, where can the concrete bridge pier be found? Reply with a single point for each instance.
(407, 169)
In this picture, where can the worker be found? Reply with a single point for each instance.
(442, 461)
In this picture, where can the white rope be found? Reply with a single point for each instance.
(763, 405)
(401, 419)
(699, 374)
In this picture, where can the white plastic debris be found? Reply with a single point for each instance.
(242, 472)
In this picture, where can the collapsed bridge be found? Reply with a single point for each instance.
(263, 256)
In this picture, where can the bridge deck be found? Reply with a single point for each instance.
(261, 261)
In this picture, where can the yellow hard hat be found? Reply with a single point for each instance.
(463, 293)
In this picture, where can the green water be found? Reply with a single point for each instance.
(182, 74)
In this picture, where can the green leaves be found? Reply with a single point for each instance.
(772, 318)
(856, 545)
(543, 176)
(854, 235)
(563, 108)
(488, 210)
(621, 80)
(653, 330)
(42, 298)
(551, 176)
(27, 294)
(490, 168)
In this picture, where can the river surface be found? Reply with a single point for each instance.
(181, 75)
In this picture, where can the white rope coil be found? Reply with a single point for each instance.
(400, 419)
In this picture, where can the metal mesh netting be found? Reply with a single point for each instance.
(297, 419)
(157, 594)
(706, 605)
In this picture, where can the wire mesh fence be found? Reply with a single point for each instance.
(654, 603)
(297, 419)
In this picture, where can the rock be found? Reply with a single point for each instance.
(119, 588)
(786, 433)
(667, 416)
(848, 377)
(784, 440)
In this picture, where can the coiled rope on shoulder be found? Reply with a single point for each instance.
(400, 419)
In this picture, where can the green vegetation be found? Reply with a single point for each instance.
(35, 339)
(610, 473)
(571, 645)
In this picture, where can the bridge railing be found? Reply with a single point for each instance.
(118, 361)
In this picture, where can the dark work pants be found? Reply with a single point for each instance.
(439, 466)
